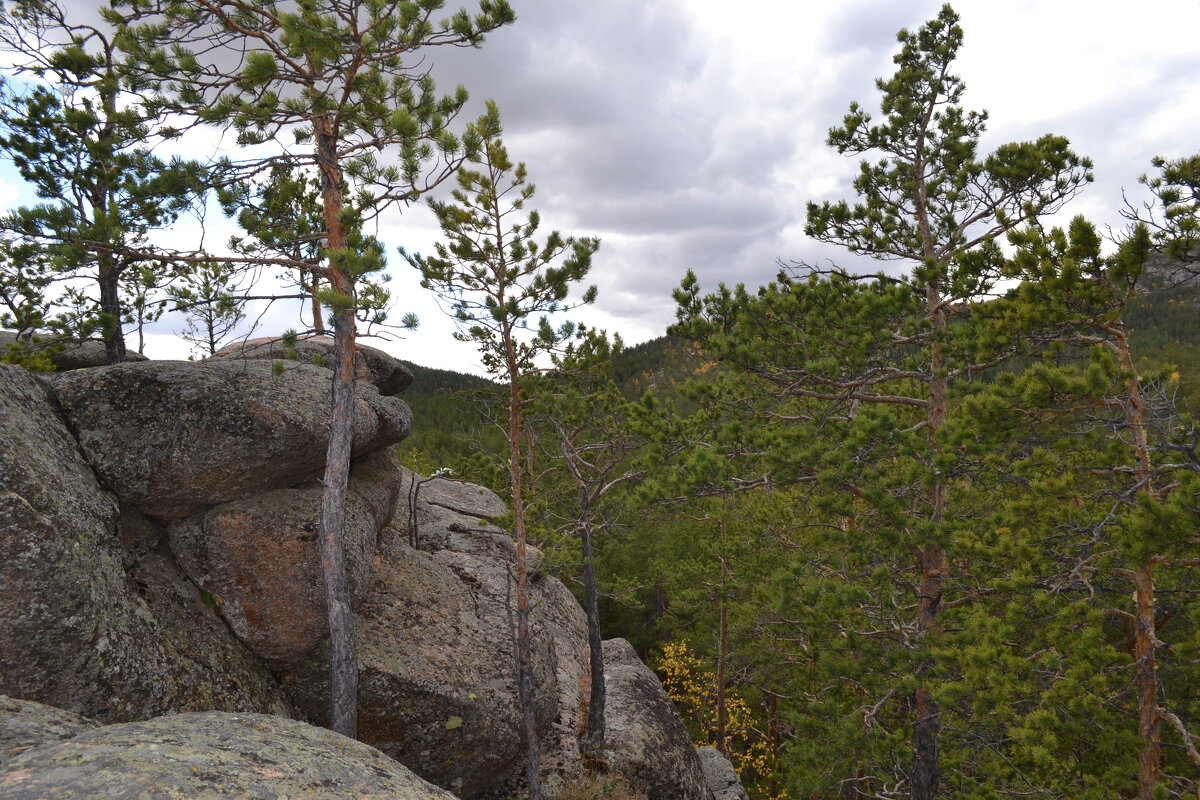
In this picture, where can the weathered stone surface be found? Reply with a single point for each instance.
(210, 755)
(436, 685)
(475, 549)
(720, 775)
(79, 632)
(25, 725)
(173, 437)
(74, 354)
(259, 558)
(465, 498)
(645, 741)
(435, 527)
(371, 364)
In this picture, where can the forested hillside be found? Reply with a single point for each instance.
(910, 537)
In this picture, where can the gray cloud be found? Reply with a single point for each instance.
(689, 135)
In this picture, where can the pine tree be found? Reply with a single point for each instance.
(883, 353)
(208, 295)
(83, 143)
(501, 285)
(586, 431)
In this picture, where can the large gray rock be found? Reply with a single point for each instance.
(210, 755)
(259, 560)
(721, 777)
(645, 741)
(443, 515)
(174, 437)
(80, 632)
(451, 522)
(25, 725)
(464, 498)
(370, 364)
(436, 685)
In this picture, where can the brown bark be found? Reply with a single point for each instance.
(318, 315)
(926, 774)
(931, 561)
(1144, 626)
(110, 309)
(1146, 680)
(591, 599)
(721, 734)
(343, 650)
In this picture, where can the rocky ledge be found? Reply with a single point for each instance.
(158, 557)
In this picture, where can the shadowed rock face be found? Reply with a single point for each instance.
(720, 774)
(81, 631)
(645, 741)
(210, 755)
(371, 364)
(174, 437)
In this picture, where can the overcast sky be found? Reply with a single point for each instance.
(690, 133)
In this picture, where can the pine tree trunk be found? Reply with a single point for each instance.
(1135, 412)
(1145, 660)
(110, 310)
(595, 719)
(318, 315)
(1146, 680)
(722, 733)
(525, 685)
(927, 724)
(343, 650)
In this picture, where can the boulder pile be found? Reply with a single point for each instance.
(158, 556)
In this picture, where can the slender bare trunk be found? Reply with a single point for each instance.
(931, 562)
(1146, 679)
(595, 719)
(1145, 657)
(722, 732)
(1135, 412)
(525, 686)
(343, 650)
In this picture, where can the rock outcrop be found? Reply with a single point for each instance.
(25, 725)
(645, 741)
(720, 775)
(84, 629)
(372, 365)
(158, 555)
(209, 755)
(258, 558)
(174, 437)
(436, 687)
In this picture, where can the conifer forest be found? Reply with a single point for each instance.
(926, 532)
